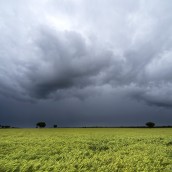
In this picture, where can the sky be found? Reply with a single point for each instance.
(85, 63)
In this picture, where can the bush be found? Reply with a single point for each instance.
(150, 124)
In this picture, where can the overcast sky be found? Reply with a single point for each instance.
(85, 62)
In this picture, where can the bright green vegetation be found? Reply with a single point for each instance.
(103, 150)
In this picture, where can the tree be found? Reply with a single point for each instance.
(40, 124)
(5, 126)
(55, 126)
(150, 124)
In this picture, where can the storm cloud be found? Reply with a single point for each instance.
(57, 50)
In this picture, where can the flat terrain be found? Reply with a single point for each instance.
(103, 150)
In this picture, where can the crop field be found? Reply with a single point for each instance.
(80, 150)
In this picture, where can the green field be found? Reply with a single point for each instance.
(103, 150)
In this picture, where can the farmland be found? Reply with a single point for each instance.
(102, 150)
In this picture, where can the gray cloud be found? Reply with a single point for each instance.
(66, 62)
(55, 50)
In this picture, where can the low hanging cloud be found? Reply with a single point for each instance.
(86, 49)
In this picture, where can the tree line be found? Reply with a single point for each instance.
(43, 125)
(147, 124)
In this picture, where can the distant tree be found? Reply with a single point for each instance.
(5, 126)
(40, 125)
(150, 124)
(55, 126)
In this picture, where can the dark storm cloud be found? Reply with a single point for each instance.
(66, 61)
(52, 50)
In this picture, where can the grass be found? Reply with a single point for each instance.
(102, 150)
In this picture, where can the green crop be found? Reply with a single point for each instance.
(81, 150)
